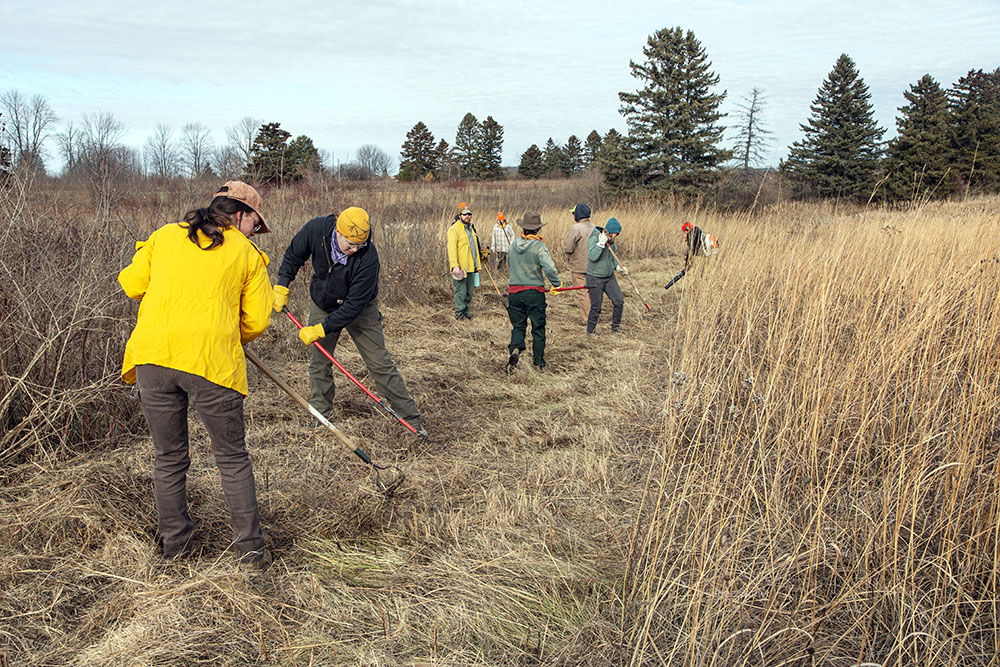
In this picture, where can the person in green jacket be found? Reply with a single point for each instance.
(529, 259)
(601, 267)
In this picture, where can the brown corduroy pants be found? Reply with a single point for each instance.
(165, 394)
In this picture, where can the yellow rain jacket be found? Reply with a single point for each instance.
(461, 240)
(198, 307)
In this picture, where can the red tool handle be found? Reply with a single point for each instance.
(352, 378)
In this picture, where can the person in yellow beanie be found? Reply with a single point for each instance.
(344, 295)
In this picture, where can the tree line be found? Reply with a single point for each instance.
(948, 140)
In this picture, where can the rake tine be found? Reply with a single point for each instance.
(388, 491)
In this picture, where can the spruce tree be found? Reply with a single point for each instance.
(553, 157)
(467, 142)
(917, 161)
(446, 167)
(592, 146)
(572, 156)
(303, 157)
(673, 119)
(490, 149)
(418, 157)
(974, 102)
(617, 164)
(532, 163)
(839, 155)
(269, 161)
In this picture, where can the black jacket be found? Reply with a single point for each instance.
(343, 290)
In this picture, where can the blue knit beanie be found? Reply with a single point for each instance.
(613, 226)
(580, 211)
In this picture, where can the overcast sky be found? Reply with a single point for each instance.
(351, 73)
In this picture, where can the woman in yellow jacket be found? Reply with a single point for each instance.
(204, 292)
(464, 259)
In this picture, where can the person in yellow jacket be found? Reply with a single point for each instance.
(203, 292)
(465, 258)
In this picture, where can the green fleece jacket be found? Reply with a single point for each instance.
(600, 263)
(528, 260)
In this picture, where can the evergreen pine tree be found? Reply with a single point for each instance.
(840, 153)
(975, 130)
(592, 146)
(467, 142)
(303, 157)
(446, 166)
(917, 159)
(572, 156)
(532, 163)
(673, 119)
(269, 161)
(490, 149)
(418, 157)
(553, 157)
(617, 164)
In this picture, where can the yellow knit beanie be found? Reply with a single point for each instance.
(353, 224)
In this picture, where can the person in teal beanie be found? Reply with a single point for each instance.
(601, 267)
(528, 260)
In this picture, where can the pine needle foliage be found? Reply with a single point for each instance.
(673, 118)
(839, 156)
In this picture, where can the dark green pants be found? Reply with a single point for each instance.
(366, 332)
(521, 307)
(463, 294)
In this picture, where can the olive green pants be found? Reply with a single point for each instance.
(366, 332)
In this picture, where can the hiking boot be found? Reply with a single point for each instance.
(539, 368)
(191, 549)
(512, 361)
(256, 561)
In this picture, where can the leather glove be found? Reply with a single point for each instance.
(310, 335)
(457, 273)
(484, 253)
(280, 298)
(554, 290)
(622, 270)
(602, 239)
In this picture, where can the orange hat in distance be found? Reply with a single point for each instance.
(501, 218)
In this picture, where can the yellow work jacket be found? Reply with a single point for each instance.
(198, 307)
(460, 249)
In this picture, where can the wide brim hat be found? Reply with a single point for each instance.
(531, 221)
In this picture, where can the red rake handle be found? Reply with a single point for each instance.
(351, 377)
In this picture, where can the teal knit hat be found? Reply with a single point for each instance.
(613, 226)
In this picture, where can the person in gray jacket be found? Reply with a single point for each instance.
(529, 259)
(601, 267)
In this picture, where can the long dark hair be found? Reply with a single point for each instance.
(213, 220)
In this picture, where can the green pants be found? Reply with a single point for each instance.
(463, 295)
(366, 332)
(521, 307)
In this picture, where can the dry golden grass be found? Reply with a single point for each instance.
(793, 462)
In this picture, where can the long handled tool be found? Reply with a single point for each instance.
(387, 490)
(355, 380)
(487, 267)
(676, 278)
(648, 309)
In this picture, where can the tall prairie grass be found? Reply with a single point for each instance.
(826, 488)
